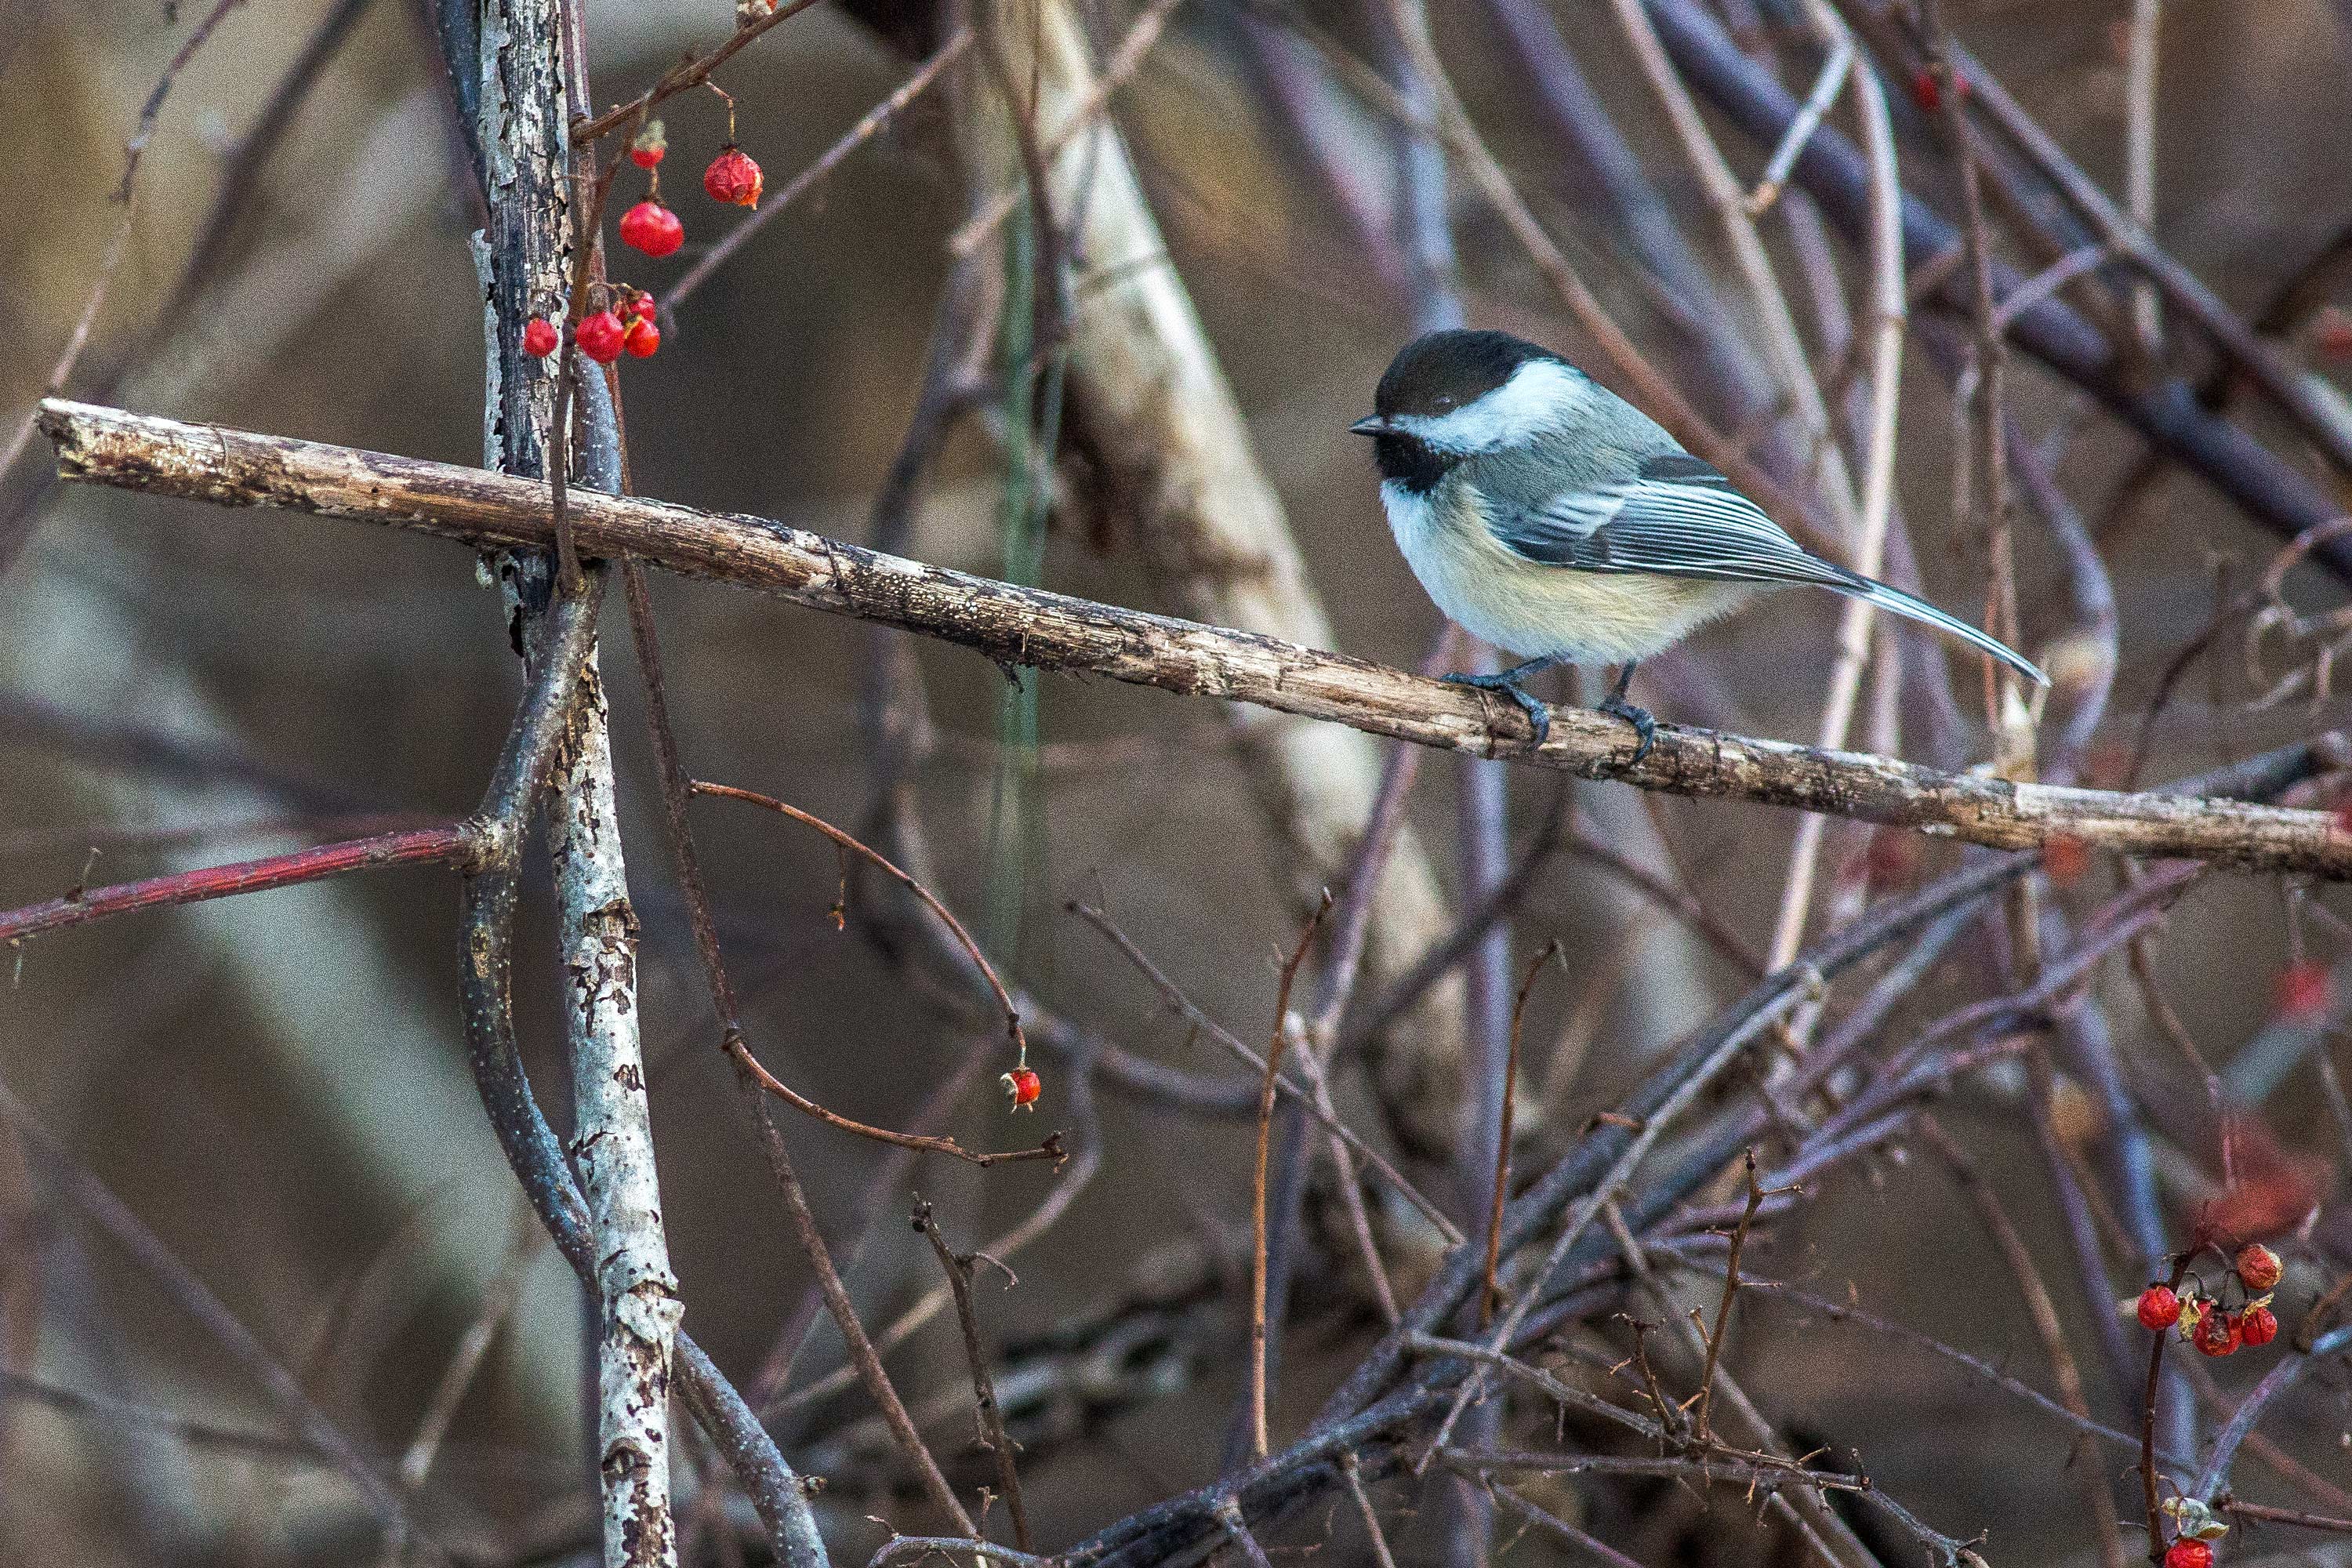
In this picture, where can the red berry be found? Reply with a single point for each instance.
(1023, 1087)
(1927, 90)
(2218, 1334)
(2333, 335)
(600, 337)
(2259, 1266)
(644, 338)
(2305, 991)
(1892, 858)
(2187, 1553)
(2261, 1326)
(2159, 1308)
(639, 304)
(733, 177)
(652, 228)
(540, 338)
(647, 149)
(2065, 858)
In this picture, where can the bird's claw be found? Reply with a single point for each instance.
(1646, 728)
(1538, 716)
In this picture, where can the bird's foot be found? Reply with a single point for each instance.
(1645, 727)
(1538, 716)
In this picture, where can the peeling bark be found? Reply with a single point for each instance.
(525, 256)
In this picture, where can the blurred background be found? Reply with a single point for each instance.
(276, 1086)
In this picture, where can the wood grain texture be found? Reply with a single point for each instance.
(1058, 632)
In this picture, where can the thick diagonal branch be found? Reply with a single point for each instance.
(1057, 631)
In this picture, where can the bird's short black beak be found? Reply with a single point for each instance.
(1377, 424)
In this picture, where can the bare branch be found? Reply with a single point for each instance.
(415, 847)
(1057, 631)
(958, 1268)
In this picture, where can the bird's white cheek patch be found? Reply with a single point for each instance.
(1540, 396)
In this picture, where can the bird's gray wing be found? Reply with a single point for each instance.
(1677, 517)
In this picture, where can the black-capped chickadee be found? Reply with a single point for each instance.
(1555, 520)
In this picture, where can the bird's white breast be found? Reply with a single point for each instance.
(1537, 611)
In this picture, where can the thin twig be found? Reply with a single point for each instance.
(958, 1268)
(497, 1301)
(951, 1547)
(1720, 1055)
(1228, 1515)
(1835, 67)
(126, 191)
(2040, 1311)
(683, 77)
(1706, 1397)
(1489, 1293)
(870, 125)
(1036, 1222)
(1117, 68)
(95, 1201)
(1875, 505)
(1186, 1008)
(1275, 1045)
(1351, 1471)
(883, 863)
(920, 1143)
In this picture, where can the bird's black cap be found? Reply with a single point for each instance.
(1440, 372)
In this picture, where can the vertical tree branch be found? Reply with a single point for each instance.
(527, 256)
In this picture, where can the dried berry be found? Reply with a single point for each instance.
(652, 228)
(2305, 991)
(2259, 1266)
(2158, 1308)
(644, 338)
(2258, 1325)
(2218, 1334)
(540, 338)
(2189, 1554)
(1023, 1087)
(733, 177)
(600, 337)
(647, 149)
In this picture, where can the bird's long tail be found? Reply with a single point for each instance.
(1895, 601)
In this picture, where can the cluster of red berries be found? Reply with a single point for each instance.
(1022, 1087)
(2203, 1321)
(650, 226)
(626, 326)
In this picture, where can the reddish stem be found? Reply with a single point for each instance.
(415, 846)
